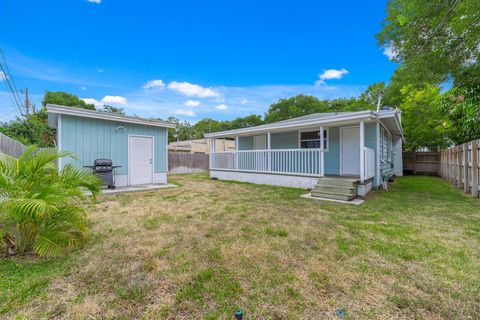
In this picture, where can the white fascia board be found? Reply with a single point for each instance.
(395, 114)
(79, 112)
(362, 115)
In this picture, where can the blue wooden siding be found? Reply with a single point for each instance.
(284, 140)
(386, 153)
(332, 156)
(245, 143)
(90, 139)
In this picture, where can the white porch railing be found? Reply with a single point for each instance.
(369, 163)
(305, 162)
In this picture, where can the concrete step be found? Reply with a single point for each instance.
(332, 195)
(327, 182)
(336, 189)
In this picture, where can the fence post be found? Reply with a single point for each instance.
(465, 167)
(459, 167)
(414, 162)
(474, 168)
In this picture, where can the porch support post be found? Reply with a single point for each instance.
(236, 152)
(269, 158)
(362, 151)
(322, 148)
(212, 153)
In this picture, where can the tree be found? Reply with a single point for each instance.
(39, 205)
(293, 107)
(65, 99)
(31, 130)
(461, 109)
(422, 120)
(433, 39)
(111, 109)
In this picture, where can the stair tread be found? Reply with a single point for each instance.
(334, 186)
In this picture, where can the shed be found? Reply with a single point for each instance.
(136, 144)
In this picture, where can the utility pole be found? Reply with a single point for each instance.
(27, 102)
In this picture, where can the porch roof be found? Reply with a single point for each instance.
(389, 118)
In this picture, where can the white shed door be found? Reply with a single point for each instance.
(140, 160)
(350, 151)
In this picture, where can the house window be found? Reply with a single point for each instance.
(311, 139)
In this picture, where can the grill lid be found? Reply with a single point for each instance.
(102, 162)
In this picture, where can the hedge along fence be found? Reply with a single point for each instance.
(460, 166)
(11, 146)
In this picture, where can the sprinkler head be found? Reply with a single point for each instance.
(239, 314)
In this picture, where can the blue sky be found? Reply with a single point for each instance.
(192, 59)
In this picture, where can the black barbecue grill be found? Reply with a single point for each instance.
(103, 168)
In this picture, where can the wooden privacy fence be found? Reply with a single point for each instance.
(424, 163)
(187, 162)
(11, 146)
(460, 166)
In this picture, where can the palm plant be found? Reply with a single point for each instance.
(40, 207)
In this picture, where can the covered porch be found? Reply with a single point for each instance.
(336, 147)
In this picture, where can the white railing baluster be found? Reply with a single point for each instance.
(307, 162)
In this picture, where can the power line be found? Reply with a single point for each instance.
(436, 28)
(11, 76)
(8, 76)
(11, 89)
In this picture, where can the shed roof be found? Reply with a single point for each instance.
(54, 110)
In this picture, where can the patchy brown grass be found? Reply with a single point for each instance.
(207, 248)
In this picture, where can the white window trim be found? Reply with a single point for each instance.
(311, 130)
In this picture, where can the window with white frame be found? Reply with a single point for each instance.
(311, 139)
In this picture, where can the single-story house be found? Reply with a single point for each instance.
(340, 155)
(137, 145)
(201, 145)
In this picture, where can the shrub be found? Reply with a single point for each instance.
(40, 207)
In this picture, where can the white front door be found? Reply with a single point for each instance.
(350, 151)
(260, 142)
(140, 160)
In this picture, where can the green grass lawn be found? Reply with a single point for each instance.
(207, 248)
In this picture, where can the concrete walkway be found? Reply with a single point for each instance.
(143, 187)
(355, 202)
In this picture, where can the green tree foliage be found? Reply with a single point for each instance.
(65, 99)
(186, 131)
(111, 109)
(461, 109)
(421, 117)
(433, 39)
(31, 130)
(40, 206)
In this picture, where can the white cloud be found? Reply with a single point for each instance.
(154, 84)
(100, 70)
(95, 1)
(187, 113)
(243, 101)
(330, 74)
(83, 88)
(390, 52)
(2, 76)
(192, 90)
(191, 103)
(95, 102)
(221, 107)
(114, 100)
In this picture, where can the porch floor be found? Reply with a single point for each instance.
(343, 178)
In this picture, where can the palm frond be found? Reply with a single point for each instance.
(36, 201)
